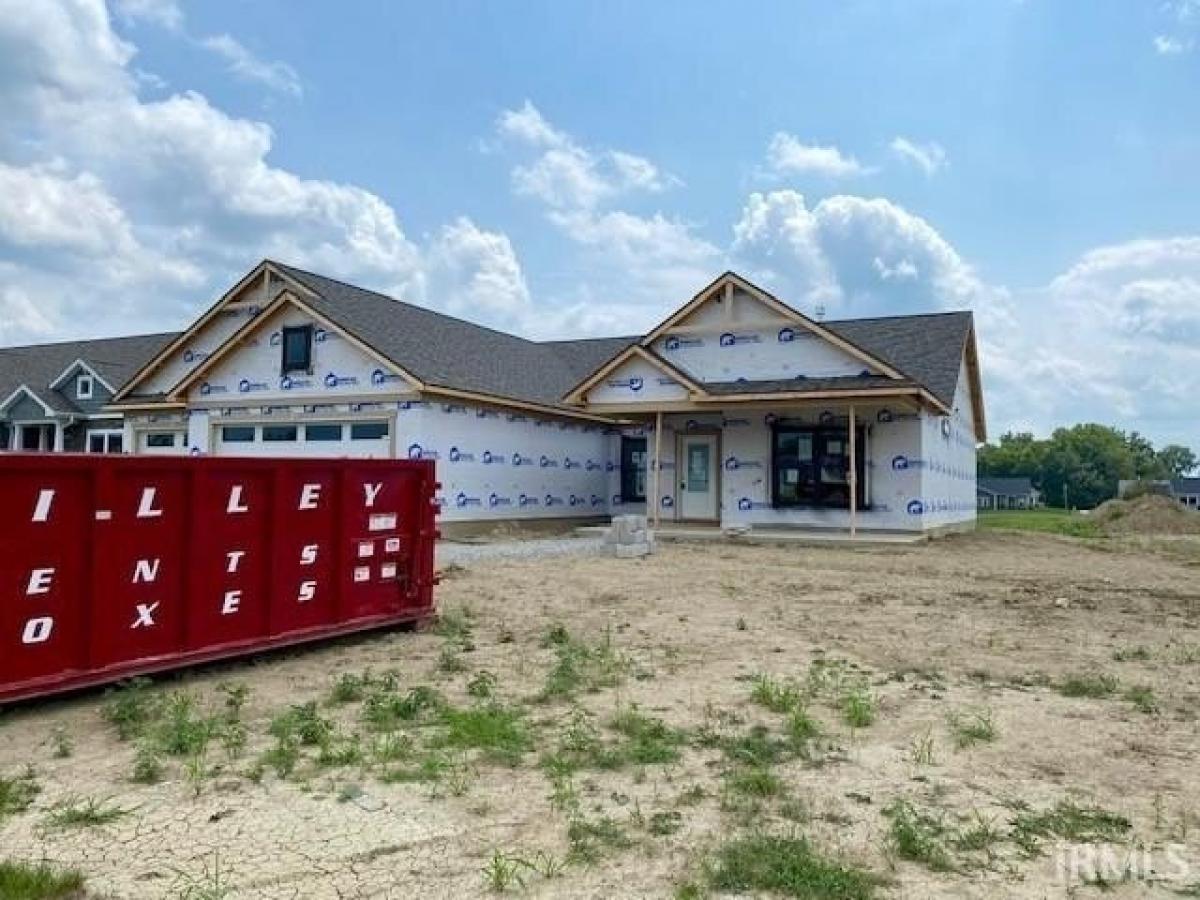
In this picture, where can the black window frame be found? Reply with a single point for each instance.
(819, 435)
(155, 439)
(271, 434)
(357, 429)
(629, 469)
(334, 432)
(236, 434)
(303, 364)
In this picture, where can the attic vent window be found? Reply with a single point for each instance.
(297, 349)
(85, 387)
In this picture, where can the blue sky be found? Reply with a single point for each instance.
(571, 168)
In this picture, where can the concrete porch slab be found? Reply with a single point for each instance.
(801, 536)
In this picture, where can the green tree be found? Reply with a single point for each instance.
(1176, 461)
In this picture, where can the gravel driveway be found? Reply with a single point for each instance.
(465, 553)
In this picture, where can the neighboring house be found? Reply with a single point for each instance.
(53, 396)
(756, 415)
(737, 410)
(1185, 490)
(1006, 492)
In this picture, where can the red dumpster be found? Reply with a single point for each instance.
(112, 566)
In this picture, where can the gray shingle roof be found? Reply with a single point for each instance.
(803, 385)
(447, 352)
(114, 359)
(1005, 485)
(927, 348)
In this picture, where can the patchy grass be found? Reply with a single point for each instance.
(131, 707)
(579, 666)
(788, 866)
(917, 837)
(18, 792)
(1070, 822)
(498, 731)
(38, 881)
(972, 726)
(777, 696)
(1093, 685)
(1049, 521)
(648, 741)
(83, 812)
(590, 839)
(858, 708)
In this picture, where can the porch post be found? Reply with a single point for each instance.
(853, 475)
(657, 463)
(58, 437)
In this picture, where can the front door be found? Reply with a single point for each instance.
(698, 477)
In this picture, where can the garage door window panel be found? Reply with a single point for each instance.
(237, 434)
(278, 434)
(368, 431)
(323, 433)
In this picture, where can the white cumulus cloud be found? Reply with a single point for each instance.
(788, 155)
(928, 157)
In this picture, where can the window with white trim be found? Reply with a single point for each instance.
(85, 387)
(105, 442)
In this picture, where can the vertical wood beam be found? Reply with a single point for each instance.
(658, 427)
(853, 474)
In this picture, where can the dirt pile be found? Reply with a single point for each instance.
(1148, 514)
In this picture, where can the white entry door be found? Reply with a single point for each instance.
(698, 471)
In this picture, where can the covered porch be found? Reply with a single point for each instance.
(818, 470)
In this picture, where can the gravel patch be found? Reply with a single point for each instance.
(451, 552)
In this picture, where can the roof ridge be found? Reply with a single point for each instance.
(927, 315)
(408, 303)
(91, 341)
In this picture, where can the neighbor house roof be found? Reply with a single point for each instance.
(39, 366)
(1188, 486)
(1005, 486)
(442, 351)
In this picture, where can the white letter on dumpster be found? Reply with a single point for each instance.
(308, 554)
(41, 511)
(235, 500)
(234, 557)
(309, 495)
(371, 491)
(232, 600)
(145, 571)
(37, 631)
(308, 590)
(146, 508)
(39, 581)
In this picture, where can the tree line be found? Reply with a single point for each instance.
(1081, 465)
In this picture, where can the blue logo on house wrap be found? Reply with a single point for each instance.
(610, 466)
(745, 504)
(732, 464)
(276, 338)
(667, 502)
(547, 463)
(915, 508)
(416, 451)
(190, 356)
(575, 501)
(463, 500)
(209, 388)
(526, 500)
(597, 500)
(552, 500)
(787, 335)
(288, 383)
(321, 335)
(901, 462)
(569, 463)
(380, 377)
(519, 460)
(729, 339)
(454, 409)
(677, 343)
(495, 500)
(493, 459)
(457, 456)
(333, 380)
(245, 386)
(405, 405)
(592, 466)
(883, 416)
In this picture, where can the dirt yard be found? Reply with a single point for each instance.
(929, 721)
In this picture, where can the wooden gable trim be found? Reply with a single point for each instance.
(507, 403)
(577, 394)
(971, 357)
(285, 298)
(771, 302)
(264, 270)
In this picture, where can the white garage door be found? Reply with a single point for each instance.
(162, 443)
(361, 439)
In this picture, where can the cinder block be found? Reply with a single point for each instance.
(632, 551)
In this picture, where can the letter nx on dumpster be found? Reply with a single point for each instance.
(113, 566)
